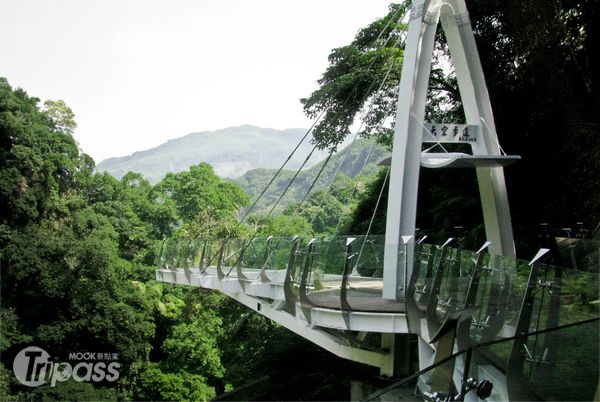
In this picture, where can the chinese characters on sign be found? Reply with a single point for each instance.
(442, 132)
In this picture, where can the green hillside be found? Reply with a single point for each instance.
(352, 159)
(231, 151)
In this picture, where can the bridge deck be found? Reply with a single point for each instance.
(358, 299)
(365, 309)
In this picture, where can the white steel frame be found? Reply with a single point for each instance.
(408, 136)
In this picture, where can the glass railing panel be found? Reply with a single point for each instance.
(562, 296)
(169, 253)
(368, 260)
(280, 253)
(299, 260)
(293, 273)
(232, 253)
(499, 298)
(182, 252)
(424, 270)
(213, 250)
(254, 254)
(328, 264)
(563, 365)
(365, 270)
(560, 364)
(197, 248)
(567, 295)
(160, 259)
(453, 289)
(579, 253)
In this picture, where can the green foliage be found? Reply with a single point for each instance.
(60, 115)
(10, 329)
(73, 286)
(76, 247)
(353, 82)
(75, 250)
(361, 216)
(72, 390)
(247, 339)
(322, 210)
(540, 70)
(192, 347)
(280, 225)
(155, 384)
(199, 188)
(340, 174)
(213, 224)
(39, 165)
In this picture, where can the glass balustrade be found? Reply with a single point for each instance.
(538, 335)
(446, 280)
(560, 364)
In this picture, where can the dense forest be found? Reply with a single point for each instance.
(78, 248)
(77, 261)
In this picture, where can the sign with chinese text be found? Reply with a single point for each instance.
(443, 132)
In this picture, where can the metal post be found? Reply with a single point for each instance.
(242, 278)
(405, 241)
(267, 259)
(203, 257)
(344, 305)
(515, 380)
(220, 261)
(290, 273)
(308, 258)
(160, 259)
(433, 322)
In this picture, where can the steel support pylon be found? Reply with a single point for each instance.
(408, 136)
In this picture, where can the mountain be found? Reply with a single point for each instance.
(349, 161)
(231, 151)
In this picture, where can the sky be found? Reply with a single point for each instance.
(139, 72)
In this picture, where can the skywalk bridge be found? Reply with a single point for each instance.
(329, 290)
(468, 325)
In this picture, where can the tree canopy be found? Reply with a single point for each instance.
(540, 64)
(77, 250)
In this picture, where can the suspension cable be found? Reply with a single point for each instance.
(392, 18)
(297, 209)
(314, 182)
(354, 189)
(387, 174)
(355, 138)
(254, 235)
(301, 203)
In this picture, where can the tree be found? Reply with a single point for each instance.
(541, 65)
(351, 83)
(322, 211)
(69, 240)
(200, 188)
(193, 346)
(39, 165)
(153, 383)
(283, 225)
(60, 115)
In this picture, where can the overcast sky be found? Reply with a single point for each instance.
(139, 72)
